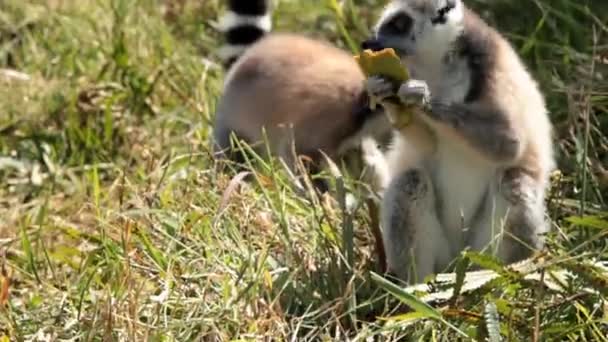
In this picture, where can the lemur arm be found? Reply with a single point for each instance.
(490, 132)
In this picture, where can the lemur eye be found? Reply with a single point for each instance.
(399, 24)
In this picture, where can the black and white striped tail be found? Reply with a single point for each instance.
(245, 22)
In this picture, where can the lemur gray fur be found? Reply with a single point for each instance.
(473, 166)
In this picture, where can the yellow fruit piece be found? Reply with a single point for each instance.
(386, 63)
(382, 63)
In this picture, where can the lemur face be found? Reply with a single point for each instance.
(421, 28)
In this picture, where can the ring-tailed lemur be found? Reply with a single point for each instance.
(473, 167)
(279, 81)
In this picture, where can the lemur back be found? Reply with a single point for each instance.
(283, 81)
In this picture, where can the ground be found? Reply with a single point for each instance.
(115, 224)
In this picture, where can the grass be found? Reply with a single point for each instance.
(114, 224)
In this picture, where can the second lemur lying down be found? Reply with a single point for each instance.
(473, 166)
(280, 81)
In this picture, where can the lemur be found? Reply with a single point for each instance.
(304, 92)
(472, 168)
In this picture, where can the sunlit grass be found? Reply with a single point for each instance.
(114, 223)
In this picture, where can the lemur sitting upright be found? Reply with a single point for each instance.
(473, 166)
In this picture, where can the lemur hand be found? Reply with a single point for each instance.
(380, 89)
(414, 93)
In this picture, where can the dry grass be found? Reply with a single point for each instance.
(110, 223)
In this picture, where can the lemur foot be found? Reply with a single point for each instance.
(415, 93)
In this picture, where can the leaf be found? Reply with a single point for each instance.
(593, 275)
(267, 279)
(156, 255)
(416, 304)
(36, 301)
(484, 260)
(26, 245)
(423, 309)
(589, 222)
(66, 254)
(96, 187)
(503, 306)
(408, 317)
(491, 263)
(461, 272)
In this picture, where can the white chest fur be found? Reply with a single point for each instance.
(461, 180)
(460, 176)
(449, 82)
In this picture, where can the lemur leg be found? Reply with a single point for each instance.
(512, 219)
(413, 238)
